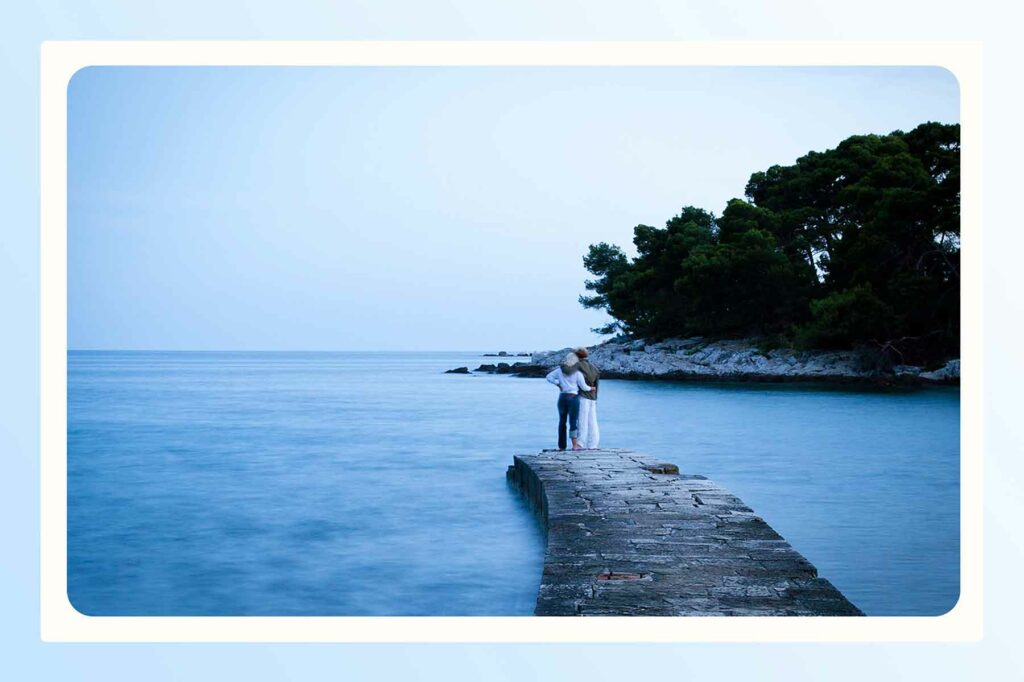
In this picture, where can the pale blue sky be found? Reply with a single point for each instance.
(424, 208)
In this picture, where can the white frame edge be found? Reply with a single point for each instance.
(61, 622)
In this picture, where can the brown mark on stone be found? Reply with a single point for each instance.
(612, 575)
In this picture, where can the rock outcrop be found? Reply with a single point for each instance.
(733, 360)
(950, 372)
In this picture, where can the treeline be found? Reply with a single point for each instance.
(854, 247)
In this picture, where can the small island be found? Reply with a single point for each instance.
(700, 359)
(844, 266)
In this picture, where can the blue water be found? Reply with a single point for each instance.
(373, 484)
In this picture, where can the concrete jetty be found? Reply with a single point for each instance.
(628, 535)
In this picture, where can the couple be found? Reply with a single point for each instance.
(576, 380)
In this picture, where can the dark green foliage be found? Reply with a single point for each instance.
(855, 246)
(743, 286)
(610, 264)
(844, 318)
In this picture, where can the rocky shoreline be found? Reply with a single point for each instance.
(699, 359)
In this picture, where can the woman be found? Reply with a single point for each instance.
(570, 382)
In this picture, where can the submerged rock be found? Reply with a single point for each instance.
(458, 370)
(528, 369)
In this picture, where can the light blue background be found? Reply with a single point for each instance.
(999, 656)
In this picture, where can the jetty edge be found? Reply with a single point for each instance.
(628, 535)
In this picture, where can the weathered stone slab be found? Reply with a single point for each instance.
(629, 536)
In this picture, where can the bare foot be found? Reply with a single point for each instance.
(577, 447)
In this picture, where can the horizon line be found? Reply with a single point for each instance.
(288, 350)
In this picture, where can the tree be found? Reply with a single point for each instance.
(857, 245)
(611, 266)
(743, 286)
(641, 294)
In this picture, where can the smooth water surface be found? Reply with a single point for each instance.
(373, 484)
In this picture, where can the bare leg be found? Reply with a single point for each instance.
(576, 444)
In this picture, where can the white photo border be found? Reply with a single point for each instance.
(61, 622)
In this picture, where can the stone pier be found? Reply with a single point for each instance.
(628, 535)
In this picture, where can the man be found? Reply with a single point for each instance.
(589, 436)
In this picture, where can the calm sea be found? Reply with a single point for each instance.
(374, 484)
